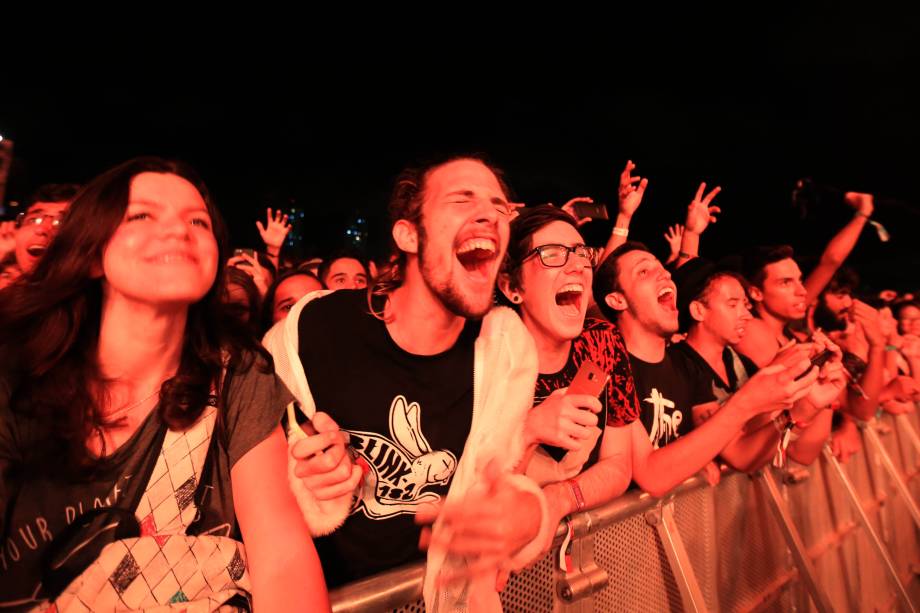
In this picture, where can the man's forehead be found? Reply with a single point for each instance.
(634, 259)
(462, 175)
(48, 207)
(782, 269)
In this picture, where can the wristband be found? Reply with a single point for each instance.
(684, 254)
(624, 232)
(861, 214)
(576, 491)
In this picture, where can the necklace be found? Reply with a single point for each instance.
(133, 405)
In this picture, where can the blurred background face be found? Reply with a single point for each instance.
(346, 273)
(909, 320)
(36, 229)
(289, 292)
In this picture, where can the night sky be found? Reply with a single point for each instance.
(750, 113)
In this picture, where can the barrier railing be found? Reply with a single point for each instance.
(829, 537)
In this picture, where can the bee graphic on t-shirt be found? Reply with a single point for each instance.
(401, 467)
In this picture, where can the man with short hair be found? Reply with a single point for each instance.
(37, 225)
(686, 428)
(422, 390)
(714, 312)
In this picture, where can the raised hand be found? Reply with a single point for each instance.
(674, 236)
(569, 207)
(701, 212)
(274, 231)
(630, 191)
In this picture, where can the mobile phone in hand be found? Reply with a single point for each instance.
(589, 380)
(594, 210)
(819, 361)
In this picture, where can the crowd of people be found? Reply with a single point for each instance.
(182, 424)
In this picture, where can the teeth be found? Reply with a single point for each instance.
(571, 287)
(169, 258)
(665, 291)
(484, 244)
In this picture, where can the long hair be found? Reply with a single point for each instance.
(50, 320)
(406, 203)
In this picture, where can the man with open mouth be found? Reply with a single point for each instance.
(686, 427)
(418, 392)
(37, 225)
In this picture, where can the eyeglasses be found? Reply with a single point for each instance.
(25, 219)
(556, 256)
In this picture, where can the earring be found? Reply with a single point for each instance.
(516, 299)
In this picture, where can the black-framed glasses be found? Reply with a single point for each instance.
(39, 219)
(556, 256)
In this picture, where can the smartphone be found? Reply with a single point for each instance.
(589, 380)
(819, 360)
(594, 210)
(249, 252)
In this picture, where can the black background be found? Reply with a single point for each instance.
(751, 108)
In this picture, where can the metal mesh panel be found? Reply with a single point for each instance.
(531, 590)
(640, 577)
(751, 548)
(694, 514)
(413, 607)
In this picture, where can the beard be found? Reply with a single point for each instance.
(826, 319)
(451, 296)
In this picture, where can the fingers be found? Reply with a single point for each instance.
(699, 192)
(337, 490)
(584, 401)
(708, 198)
(314, 447)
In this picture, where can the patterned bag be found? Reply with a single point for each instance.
(162, 566)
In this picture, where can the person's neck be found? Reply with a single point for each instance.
(140, 346)
(776, 325)
(641, 342)
(708, 346)
(552, 353)
(418, 322)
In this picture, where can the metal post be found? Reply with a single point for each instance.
(904, 425)
(864, 520)
(872, 436)
(663, 520)
(794, 541)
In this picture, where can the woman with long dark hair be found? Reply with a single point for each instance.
(139, 425)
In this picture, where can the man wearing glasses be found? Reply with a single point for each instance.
(37, 225)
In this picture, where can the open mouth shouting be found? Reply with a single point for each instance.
(667, 298)
(570, 299)
(479, 258)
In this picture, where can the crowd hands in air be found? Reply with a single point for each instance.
(420, 404)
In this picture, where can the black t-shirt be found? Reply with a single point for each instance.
(408, 416)
(600, 342)
(739, 368)
(45, 505)
(667, 392)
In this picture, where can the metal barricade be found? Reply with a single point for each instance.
(844, 538)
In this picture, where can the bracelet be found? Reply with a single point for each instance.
(684, 254)
(576, 491)
(624, 232)
(861, 214)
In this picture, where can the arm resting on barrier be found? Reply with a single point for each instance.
(599, 484)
